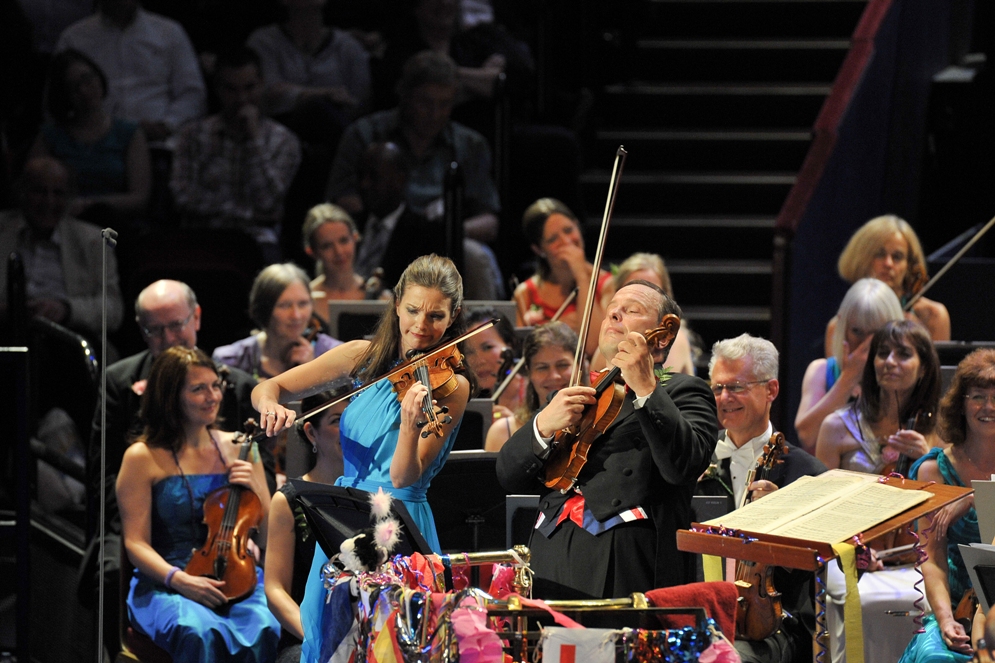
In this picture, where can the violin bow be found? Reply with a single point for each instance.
(585, 324)
(950, 263)
(355, 392)
(521, 362)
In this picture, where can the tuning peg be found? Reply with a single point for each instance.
(444, 409)
(447, 419)
(420, 424)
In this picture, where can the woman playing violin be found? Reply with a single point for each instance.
(901, 381)
(165, 476)
(548, 352)
(556, 239)
(381, 440)
(280, 303)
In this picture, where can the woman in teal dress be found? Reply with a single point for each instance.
(967, 422)
(164, 478)
(381, 441)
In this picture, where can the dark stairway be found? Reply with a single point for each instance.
(717, 119)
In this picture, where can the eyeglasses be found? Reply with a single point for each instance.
(980, 399)
(735, 388)
(173, 328)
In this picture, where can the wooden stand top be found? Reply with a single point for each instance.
(809, 555)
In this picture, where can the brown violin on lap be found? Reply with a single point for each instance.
(570, 447)
(231, 514)
(759, 612)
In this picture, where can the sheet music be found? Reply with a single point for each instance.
(831, 507)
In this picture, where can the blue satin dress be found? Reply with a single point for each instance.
(244, 631)
(928, 647)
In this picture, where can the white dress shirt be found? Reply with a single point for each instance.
(743, 459)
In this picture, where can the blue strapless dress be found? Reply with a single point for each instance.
(245, 631)
(928, 647)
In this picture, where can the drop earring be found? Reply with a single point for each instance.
(314, 449)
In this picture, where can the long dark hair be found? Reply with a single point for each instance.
(430, 271)
(925, 395)
(161, 411)
(552, 333)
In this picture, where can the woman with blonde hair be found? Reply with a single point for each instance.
(650, 267)
(886, 248)
(830, 383)
(330, 237)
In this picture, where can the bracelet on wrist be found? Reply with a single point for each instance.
(169, 577)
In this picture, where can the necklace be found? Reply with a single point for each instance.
(186, 483)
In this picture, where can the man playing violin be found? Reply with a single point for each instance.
(613, 533)
(743, 373)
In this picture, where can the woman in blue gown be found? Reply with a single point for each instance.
(382, 446)
(164, 478)
(967, 422)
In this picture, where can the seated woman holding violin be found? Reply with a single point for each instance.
(280, 303)
(548, 353)
(180, 475)
(967, 422)
(290, 544)
(491, 355)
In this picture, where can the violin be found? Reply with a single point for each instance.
(231, 514)
(570, 447)
(759, 612)
(436, 368)
(315, 326)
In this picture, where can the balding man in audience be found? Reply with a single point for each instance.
(62, 256)
(168, 315)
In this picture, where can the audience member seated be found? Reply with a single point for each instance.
(650, 267)
(430, 141)
(549, 356)
(491, 355)
(887, 248)
(831, 383)
(108, 156)
(555, 235)
(316, 76)
(966, 414)
(330, 238)
(63, 257)
(165, 479)
(233, 169)
(280, 304)
(290, 544)
(168, 315)
(893, 417)
(743, 372)
(153, 75)
(481, 53)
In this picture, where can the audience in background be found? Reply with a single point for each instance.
(555, 235)
(491, 355)
(832, 382)
(151, 68)
(233, 169)
(63, 257)
(108, 156)
(422, 130)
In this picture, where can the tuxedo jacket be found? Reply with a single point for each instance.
(123, 404)
(649, 458)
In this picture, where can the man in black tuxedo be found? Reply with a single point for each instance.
(743, 372)
(614, 532)
(168, 315)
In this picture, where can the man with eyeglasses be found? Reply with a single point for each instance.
(743, 372)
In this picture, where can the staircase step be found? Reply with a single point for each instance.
(714, 323)
(721, 282)
(752, 18)
(711, 105)
(784, 60)
(690, 192)
(705, 150)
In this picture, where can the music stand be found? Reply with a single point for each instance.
(335, 513)
(468, 502)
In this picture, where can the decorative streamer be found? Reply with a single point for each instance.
(821, 634)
